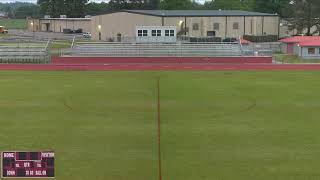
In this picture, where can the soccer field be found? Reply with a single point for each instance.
(214, 125)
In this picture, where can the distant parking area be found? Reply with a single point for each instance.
(43, 35)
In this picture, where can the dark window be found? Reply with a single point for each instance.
(50, 162)
(235, 25)
(158, 32)
(153, 33)
(195, 26)
(171, 32)
(21, 172)
(216, 26)
(139, 32)
(167, 33)
(145, 33)
(22, 155)
(50, 172)
(34, 156)
(7, 162)
(119, 36)
(211, 33)
(311, 50)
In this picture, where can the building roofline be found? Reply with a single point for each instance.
(74, 19)
(142, 12)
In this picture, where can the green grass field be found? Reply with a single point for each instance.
(293, 59)
(14, 23)
(4, 35)
(215, 125)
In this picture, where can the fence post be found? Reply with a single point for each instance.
(48, 52)
(73, 41)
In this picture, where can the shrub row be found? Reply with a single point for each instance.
(266, 38)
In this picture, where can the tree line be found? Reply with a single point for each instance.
(20, 10)
(300, 14)
(80, 8)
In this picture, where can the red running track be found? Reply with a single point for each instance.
(166, 60)
(159, 64)
(158, 67)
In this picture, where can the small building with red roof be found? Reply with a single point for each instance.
(244, 42)
(307, 47)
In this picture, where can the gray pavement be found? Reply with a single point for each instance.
(43, 35)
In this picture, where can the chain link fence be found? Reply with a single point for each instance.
(261, 49)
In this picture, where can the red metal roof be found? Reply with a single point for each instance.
(300, 39)
(310, 43)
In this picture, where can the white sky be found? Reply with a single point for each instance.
(34, 1)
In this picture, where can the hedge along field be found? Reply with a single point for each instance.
(14, 23)
(214, 125)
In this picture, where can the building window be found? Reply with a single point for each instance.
(216, 26)
(139, 33)
(211, 33)
(153, 33)
(158, 32)
(195, 26)
(167, 33)
(235, 25)
(145, 33)
(171, 32)
(311, 50)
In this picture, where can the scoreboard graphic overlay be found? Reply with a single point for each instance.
(27, 164)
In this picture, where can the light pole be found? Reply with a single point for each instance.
(181, 25)
(99, 29)
(32, 24)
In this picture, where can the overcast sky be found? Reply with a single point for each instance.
(34, 1)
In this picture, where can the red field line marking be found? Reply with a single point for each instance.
(159, 131)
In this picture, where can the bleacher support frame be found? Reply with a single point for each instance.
(34, 52)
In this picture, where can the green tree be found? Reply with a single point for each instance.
(230, 4)
(55, 8)
(93, 8)
(177, 4)
(75, 8)
(20, 9)
(44, 6)
(305, 15)
(272, 6)
(27, 11)
(132, 4)
(153, 4)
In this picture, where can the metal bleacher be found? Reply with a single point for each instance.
(25, 52)
(105, 49)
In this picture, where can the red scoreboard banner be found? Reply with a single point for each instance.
(27, 164)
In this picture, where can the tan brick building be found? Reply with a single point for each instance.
(194, 23)
(59, 24)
